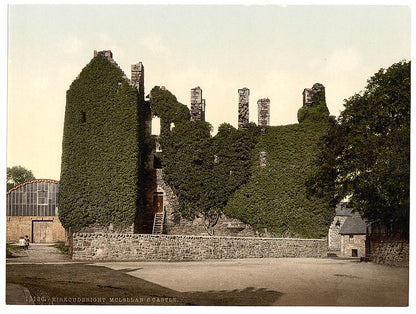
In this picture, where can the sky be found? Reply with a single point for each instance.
(275, 51)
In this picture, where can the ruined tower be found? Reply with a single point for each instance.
(197, 105)
(263, 113)
(308, 93)
(103, 148)
(243, 114)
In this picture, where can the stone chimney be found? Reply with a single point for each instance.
(197, 105)
(243, 104)
(137, 78)
(263, 113)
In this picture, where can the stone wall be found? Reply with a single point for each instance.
(357, 242)
(177, 225)
(394, 253)
(334, 237)
(308, 93)
(131, 247)
(19, 226)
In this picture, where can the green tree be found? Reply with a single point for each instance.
(370, 149)
(17, 175)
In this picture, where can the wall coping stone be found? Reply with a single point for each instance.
(142, 235)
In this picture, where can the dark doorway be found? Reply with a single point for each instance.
(354, 253)
(157, 164)
(158, 202)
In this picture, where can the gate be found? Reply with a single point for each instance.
(42, 231)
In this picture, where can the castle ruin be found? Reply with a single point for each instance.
(308, 93)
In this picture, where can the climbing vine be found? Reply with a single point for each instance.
(102, 148)
(222, 173)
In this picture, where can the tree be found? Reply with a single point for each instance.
(17, 175)
(370, 149)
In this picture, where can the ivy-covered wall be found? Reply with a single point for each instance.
(105, 149)
(276, 196)
(102, 149)
(222, 173)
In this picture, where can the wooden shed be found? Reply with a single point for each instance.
(32, 209)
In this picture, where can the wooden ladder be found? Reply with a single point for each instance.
(158, 223)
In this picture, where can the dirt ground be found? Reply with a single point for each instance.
(215, 282)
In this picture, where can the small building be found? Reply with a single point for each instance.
(353, 237)
(342, 212)
(32, 209)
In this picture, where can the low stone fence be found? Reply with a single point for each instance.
(132, 247)
(393, 253)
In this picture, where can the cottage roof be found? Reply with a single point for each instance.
(354, 225)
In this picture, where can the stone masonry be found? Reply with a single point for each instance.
(243, 105)
(393, 253)
(133, 247)
(263, 113)
(19, 226)
(137, 78)
(308, 93)
(176, 225)
(353, 242)
(197, 105)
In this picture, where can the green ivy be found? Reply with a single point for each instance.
(276, 196)
(223, 173)
(102, 148)
(317, 112)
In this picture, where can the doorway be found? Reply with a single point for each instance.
(42, 231)
(354, 253)
(158, 202)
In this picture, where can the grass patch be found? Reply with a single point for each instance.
(64, 249)
(11, 248)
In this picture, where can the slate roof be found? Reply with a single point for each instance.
(354, 225)
(342, 209)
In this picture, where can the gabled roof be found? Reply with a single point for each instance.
(342, 209)
(109, 56)
(354, 225)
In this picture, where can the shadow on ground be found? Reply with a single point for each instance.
(99, 285)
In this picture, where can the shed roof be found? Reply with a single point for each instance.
(354, 225)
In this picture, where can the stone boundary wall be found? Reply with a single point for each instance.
(132, 247)
(19, 226)
(393, 253)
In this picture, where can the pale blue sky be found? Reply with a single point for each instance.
(274, 51)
